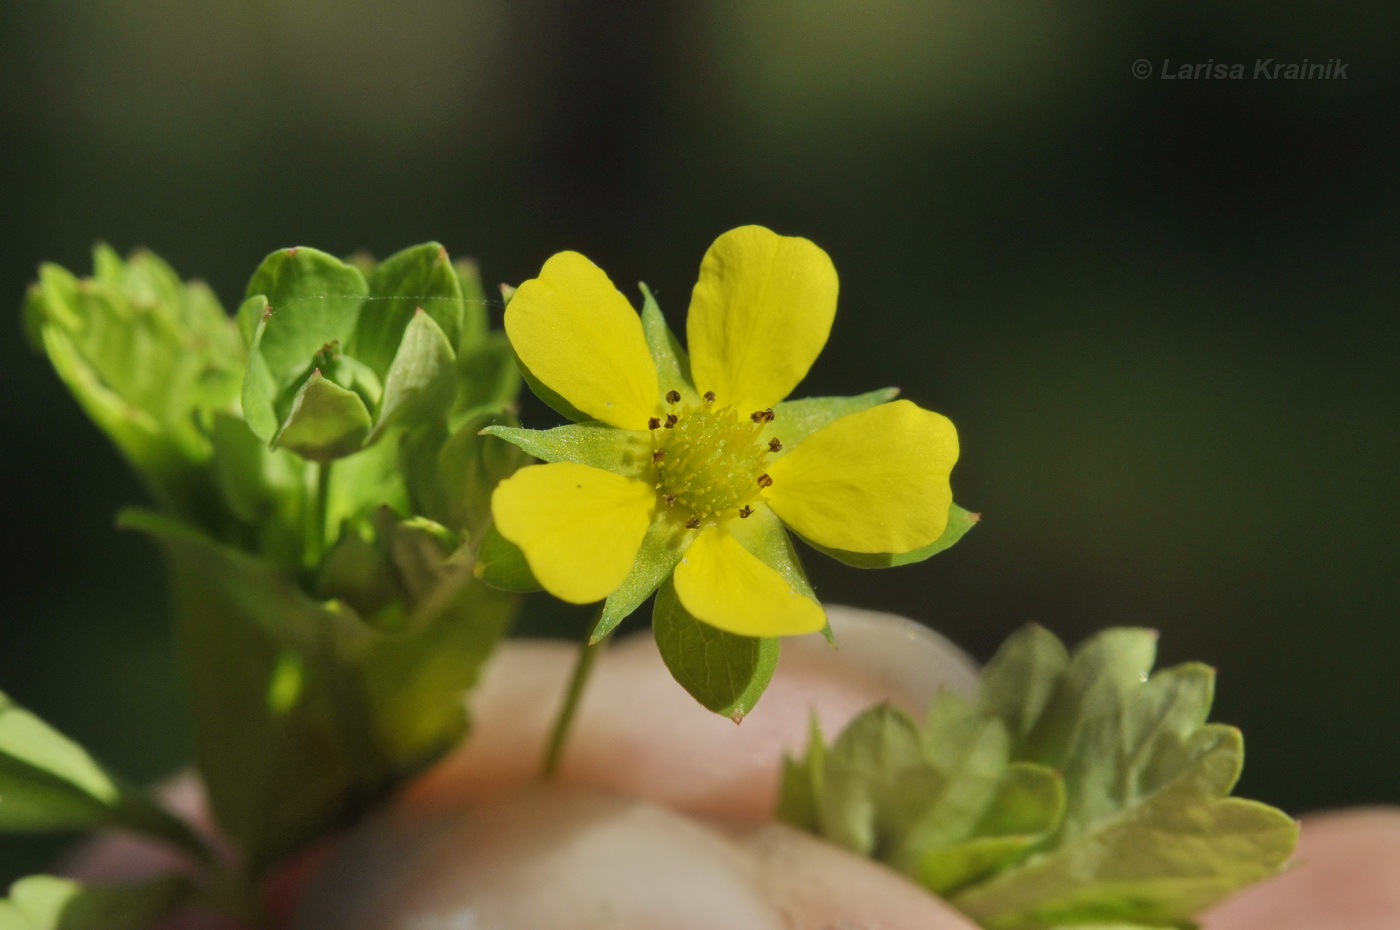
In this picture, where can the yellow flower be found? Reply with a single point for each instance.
(693, 466)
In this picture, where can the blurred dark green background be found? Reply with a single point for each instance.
(1162, 313)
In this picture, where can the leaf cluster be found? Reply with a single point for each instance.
(320, 491)
(1076, 791)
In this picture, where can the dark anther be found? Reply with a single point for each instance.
(670, 499)
(764, 481)
(671, 420)
(745, 511)
(657, 455)
(709, 397)
(774, 445)
(673, 397)
(654, 423)
(762, 416)
(693, 523)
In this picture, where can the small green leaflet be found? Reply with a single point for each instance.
(1077, 792)
(45, 902)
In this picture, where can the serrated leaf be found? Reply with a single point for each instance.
(419, 278)
(663, 545)
(597, 445)
(672, 364)
(422, 378)
(501, 564)
(1020, 678)
(1180, 850)
(877, 782)
(959, 522)
(326, 421)
(46, 902)
(726, 673)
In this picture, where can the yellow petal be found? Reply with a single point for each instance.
(579, 527)
(759, 316)
(583, 340)
(873, 481)
(721, 583)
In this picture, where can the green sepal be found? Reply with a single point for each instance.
(326, 421)
(725, 672)
(552, 399)
(501, 564)
(418, 279)
(672, 363)
(47, 902)
(959, 522)
(663, 545)
(48, 782)
(795, 420)
(597, 445)
(422, 378)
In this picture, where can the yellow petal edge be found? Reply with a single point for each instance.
(873, 481)
(579, 527)
(723, 584)
(579, 336)
(759, 316)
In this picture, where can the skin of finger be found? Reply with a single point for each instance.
(639, 734)
(1346, 877)
(562, 857)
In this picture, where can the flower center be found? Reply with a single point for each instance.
(709, 459)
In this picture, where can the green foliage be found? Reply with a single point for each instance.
(1076, 792)
(724, 672)
(321, 492)
(45, 902)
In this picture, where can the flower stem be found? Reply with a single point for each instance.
(578, 681)
(316, 542)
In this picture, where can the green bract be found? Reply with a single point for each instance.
(320, 490)
(1075, 792)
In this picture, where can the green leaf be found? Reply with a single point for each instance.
(1181, 850)
(419, 278)
(877, 782)
(959, 522)
(474, 322)
(326, 421)
(45, 902)
(422, 379)
(488, 380)
(48, 782)
(314, 302)
(724, 672)
(450, 478)
(1018, 681)
(501, 564)
(598, 445)
(672, 364)
(795, 420)
(803, 783)
(665, 542)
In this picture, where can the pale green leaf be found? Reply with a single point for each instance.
(501, 564)
(804, 782)
(422, 378)
(725, 672)
(488, 380)
(421, 277)
(1020, 678)
(46, 902)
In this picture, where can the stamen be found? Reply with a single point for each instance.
(709, 397)
(671, 420)
(673, 397)
(654, 423)
(764, 481)
(774, 445)
(745, 511)
(762, 416)
(670, 499)
(657, 455)
(693, 523)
